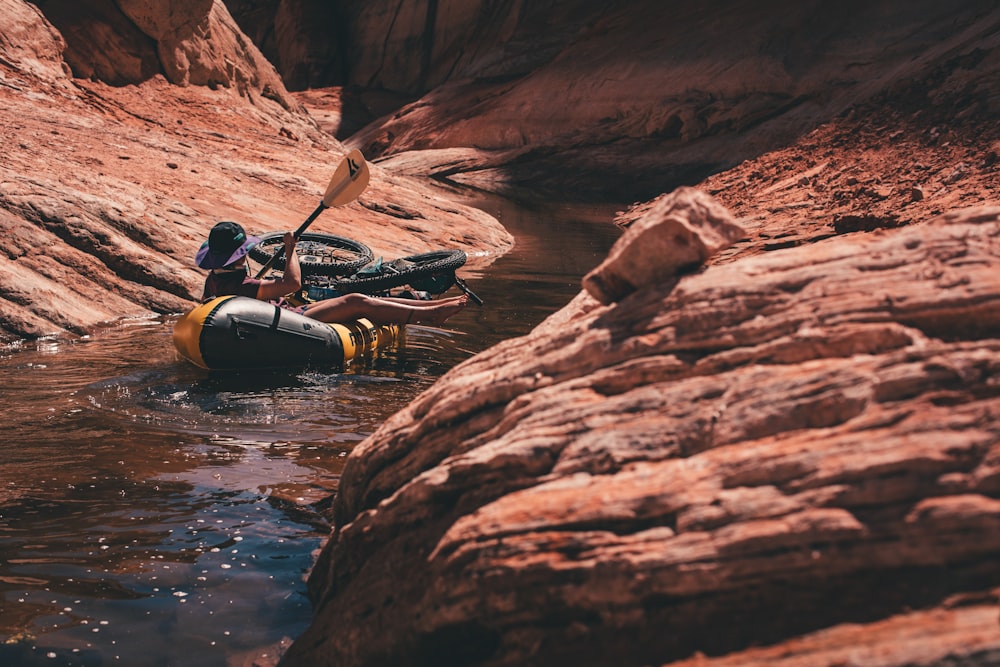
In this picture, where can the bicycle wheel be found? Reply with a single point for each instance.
(319, 254)
(432, 272)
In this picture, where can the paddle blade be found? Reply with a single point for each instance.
(349, 181)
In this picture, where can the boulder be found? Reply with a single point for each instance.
(674, 233)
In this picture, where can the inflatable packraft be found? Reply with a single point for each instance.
(239, 332)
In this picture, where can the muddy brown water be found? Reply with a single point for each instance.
(152, 513)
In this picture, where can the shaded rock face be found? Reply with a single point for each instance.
(738, 456)
(624, 101)
(189, 42)
(306, 41)
(406, 48)
(643, 98)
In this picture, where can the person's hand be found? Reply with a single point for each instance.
(289, 240)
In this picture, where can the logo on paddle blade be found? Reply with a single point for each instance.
(353, 167)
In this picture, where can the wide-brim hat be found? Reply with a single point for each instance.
(227, 243)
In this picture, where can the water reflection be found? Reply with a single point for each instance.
(152, 513)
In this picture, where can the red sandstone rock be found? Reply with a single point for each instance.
(29, 42)
(675, 233)
(962, 633)
(796, 440)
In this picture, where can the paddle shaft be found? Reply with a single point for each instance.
(279, 253)
(330, 196)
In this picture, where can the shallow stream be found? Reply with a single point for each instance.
(152, 513)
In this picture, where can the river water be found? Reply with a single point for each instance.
(153, 513)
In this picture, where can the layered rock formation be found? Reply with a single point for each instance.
(741, 455)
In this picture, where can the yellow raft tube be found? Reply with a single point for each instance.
(239, 332)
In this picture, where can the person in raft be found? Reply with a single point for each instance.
(225, 255)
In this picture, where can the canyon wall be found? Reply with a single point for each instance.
(622, 100)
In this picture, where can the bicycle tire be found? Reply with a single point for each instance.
(434, 270)
(319, 254)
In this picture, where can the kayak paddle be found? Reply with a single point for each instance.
(349, 181)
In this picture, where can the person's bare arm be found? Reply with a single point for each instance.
(291, 279)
